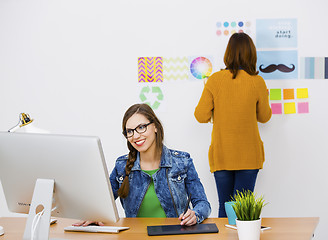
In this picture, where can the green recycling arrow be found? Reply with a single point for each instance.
(155, 90)
(142, 94)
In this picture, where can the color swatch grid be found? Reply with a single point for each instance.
(228, 28)
(314, 67)
(289, 101)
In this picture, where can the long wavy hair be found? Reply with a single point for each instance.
(240, 54)
(147, 112)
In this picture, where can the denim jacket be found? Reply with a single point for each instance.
(174, 181)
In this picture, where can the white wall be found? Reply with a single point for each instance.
(72, 65)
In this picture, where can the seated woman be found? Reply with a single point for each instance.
(152, 180)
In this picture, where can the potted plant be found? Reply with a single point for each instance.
(248, 208)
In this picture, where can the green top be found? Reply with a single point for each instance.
(150, 206)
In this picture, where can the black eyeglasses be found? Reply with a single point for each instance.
(141, 128)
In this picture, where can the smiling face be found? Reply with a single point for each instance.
(142, 142)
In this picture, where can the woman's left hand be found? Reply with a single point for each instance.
(188, 219)
(87, 223)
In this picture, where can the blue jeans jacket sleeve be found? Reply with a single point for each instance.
(117, 175)
(114, 183)
(199, 201)
(184, 181)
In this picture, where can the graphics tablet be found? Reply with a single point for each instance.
(178, 229)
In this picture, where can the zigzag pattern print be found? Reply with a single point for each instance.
(176, 68)
(150, 69)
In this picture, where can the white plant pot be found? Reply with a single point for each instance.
(249, 230)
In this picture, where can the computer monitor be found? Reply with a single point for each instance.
(77, 165)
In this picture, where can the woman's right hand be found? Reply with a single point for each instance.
(87, 223)
(188, 219)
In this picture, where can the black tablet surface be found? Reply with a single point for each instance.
(178, 229)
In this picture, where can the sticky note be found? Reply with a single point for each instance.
(275, 94)
(288, 93)
(303, 107)
(302, 93)
(289, 108)
(276, 108)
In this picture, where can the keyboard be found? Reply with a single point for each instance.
(95, 229)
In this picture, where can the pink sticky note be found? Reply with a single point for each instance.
(303, 107)
(276, 108)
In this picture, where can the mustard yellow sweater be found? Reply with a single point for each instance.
(237, 105)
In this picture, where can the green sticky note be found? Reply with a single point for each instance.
(275, 94)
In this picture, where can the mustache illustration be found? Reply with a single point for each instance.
(273, 67)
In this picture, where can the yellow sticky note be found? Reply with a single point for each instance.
(289, 108)
(302, 93)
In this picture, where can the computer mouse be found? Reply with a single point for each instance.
(2, 231)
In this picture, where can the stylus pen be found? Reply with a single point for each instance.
(186, 209)
(231, 226)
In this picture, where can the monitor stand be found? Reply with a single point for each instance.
(41, 201)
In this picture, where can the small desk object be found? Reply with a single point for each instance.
(281, 229)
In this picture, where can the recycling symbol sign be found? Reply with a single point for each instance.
(152, 96)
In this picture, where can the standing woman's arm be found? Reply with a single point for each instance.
(263, 109)
(204, 109)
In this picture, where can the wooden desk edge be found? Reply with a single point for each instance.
(303, 227)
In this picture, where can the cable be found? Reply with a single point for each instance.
(35, 223)
(36, 220)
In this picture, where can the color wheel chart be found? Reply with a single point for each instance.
(201, 68)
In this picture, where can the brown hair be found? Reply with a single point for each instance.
(240, 54)
(146, 111)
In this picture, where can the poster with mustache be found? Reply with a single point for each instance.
(278, 64)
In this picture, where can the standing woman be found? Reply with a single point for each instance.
(152, 180)
(236, 98)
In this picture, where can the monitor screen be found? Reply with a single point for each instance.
(76, 163)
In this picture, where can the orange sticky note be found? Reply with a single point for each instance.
(288, 93)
